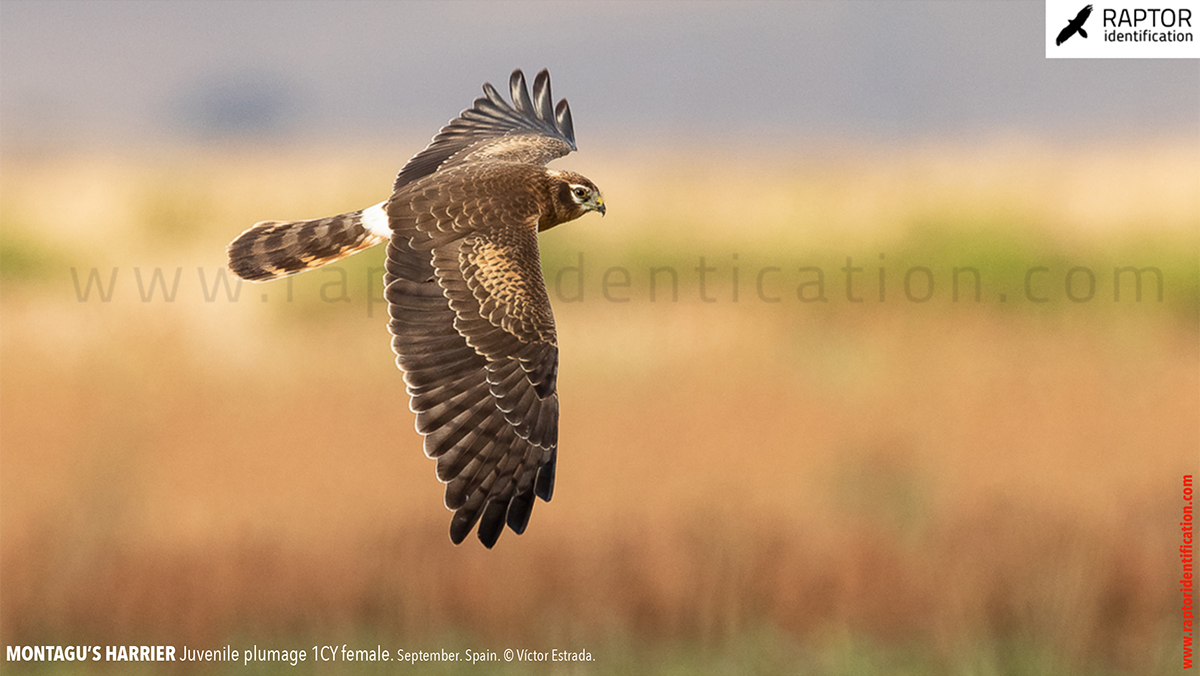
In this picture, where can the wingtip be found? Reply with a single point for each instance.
(519, 511)
(491, 523)
(543, 486)
(491, 95)
(489, 539)
(562, 116)
(543, 100)
(520, 92)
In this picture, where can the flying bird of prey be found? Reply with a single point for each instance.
(470, 318)
(1075, 26)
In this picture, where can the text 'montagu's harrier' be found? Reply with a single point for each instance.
(471, 322)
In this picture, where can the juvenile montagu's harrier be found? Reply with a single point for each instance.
(470, 317)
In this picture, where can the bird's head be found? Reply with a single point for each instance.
(574, 195)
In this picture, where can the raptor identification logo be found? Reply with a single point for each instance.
(1123, 29)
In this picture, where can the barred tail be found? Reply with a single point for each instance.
(273, 249)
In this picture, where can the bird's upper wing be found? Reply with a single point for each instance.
(474, 334)
(532, 132)
(1083, 15)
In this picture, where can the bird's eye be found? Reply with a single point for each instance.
(580, 192)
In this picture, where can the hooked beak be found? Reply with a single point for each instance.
(600, 205)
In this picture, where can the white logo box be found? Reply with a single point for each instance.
(1124, 29)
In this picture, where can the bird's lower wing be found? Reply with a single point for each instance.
(491, 425)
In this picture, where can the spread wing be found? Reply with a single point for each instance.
(1082, 15)
(474, 334)
(532, 132)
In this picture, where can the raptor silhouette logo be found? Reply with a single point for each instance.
(1075, 26)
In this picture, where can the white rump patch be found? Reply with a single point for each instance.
(375, 219)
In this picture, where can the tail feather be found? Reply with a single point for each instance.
(273, 249)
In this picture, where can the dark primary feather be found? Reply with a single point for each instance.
(490, 118)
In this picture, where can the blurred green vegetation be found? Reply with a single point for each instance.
(999, 236)
(25, 258)
(732, 399)
(1004, 269)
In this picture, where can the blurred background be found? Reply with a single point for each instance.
(884, 360)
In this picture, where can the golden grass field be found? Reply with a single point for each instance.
(745, 486)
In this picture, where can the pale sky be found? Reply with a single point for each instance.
(78, 71)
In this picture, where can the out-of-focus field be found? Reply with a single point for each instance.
(745, 486)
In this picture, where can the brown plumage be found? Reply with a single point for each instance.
(471, 322)
(274, 249)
